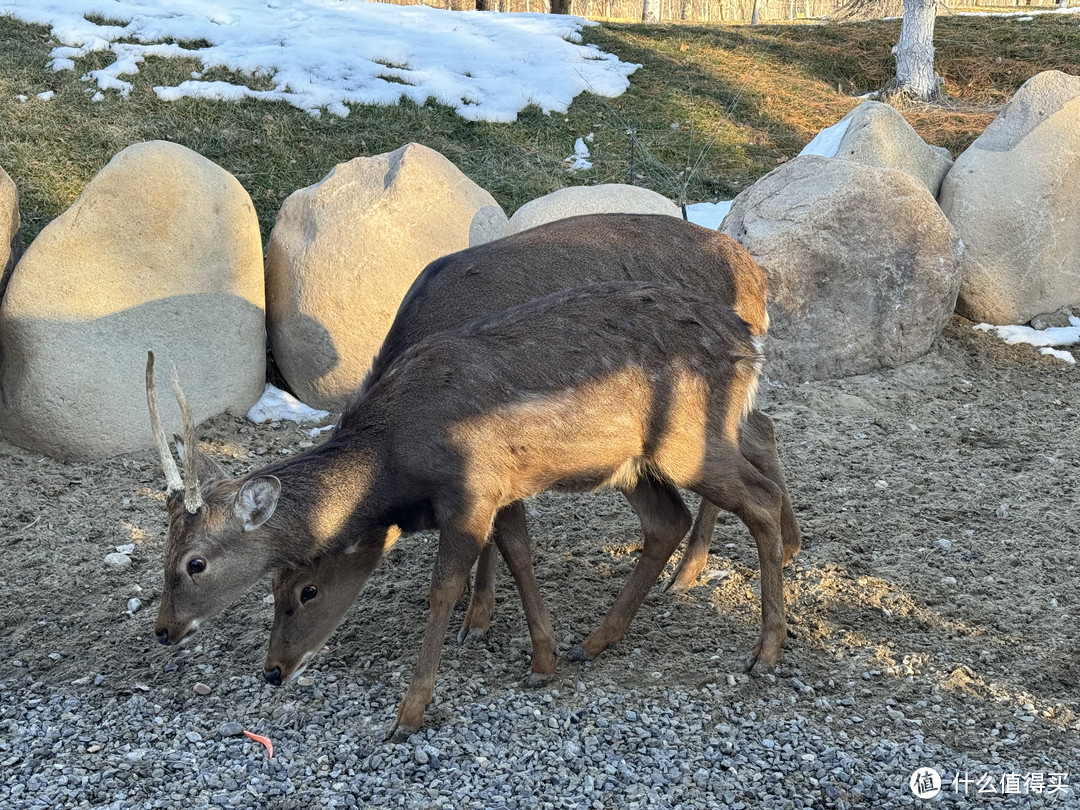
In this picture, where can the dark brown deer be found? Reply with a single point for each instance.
(609, 384)
(482, 281)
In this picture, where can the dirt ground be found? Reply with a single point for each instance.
(939, 508)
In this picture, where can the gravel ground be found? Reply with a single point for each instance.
(933, 611)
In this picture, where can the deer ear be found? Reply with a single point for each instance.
(256, 501)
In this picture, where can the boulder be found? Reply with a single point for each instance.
(863, 267)
(11, 245)
(1014, 198)
(344, 251)
(161, 251)
(877, 135)
(610, 198)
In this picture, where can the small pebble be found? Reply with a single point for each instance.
(202, 689)
(230, 729)
(117, 561)
(133, 605)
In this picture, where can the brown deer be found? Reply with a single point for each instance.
(482, 281)
(609, 384)
(310, 601)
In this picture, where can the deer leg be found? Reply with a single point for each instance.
(512, 537)
(482, 602)
(740, 488)
(757, 443)
(696, 553)
(758, 446)
(664, 520)
(453, 563)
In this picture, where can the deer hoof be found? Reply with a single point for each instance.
(577, 653)
(399, 734)
(756, 667)
(470, 635)
(536, 680)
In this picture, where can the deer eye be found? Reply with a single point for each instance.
(308, 593)
(196, 565)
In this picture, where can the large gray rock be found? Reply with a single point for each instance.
(609, 198)
(161, 251)
(344, 251)
(863, 267)
(877, 135)
(11, 245)
(1014, 197)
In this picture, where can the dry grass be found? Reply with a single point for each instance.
(712, 109)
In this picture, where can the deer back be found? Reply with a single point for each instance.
(568, 253)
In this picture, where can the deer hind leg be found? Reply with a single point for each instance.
(757, 443)
(734, 484)
(664, 520)
(482, 602)
(457, 552)
(697, 550)
(758, 446)
(512, 538)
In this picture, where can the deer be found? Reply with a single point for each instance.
(481, 281)
(606, 384)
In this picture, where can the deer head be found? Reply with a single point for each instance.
(212, 551)
(309, 603)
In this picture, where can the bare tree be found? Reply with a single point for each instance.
(755, 15)
(915, 78)
(561, 6)
(650, 11)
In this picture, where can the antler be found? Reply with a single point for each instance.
(192, 496)
(173, 482)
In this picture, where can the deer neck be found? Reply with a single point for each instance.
(332, 500)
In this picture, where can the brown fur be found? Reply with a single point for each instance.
(469, 422)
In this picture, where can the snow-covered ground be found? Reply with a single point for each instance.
(327, 54)
(1043, 339)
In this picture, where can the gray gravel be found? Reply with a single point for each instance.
(86, 746)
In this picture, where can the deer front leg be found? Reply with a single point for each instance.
(453, 562)
(512, 537)
(482, 602)
(664, 519)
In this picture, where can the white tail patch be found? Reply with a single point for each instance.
(751, 366)
(627, 474)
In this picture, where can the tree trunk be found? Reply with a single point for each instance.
(650, 11)
(914, 53)
(561, 6)
(483, 5)
(755, 15)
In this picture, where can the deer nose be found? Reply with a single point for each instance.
(273, 676)
(163, 636)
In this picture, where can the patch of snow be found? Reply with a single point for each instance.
(708, 215)
(47, 95)
(826, 142)
(1053, 336)
(276, 405)
(327, 54)
(1060, 355)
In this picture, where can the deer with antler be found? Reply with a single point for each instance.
(608, 384)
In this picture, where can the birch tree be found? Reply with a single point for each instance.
(650, 11)
(915, 78)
